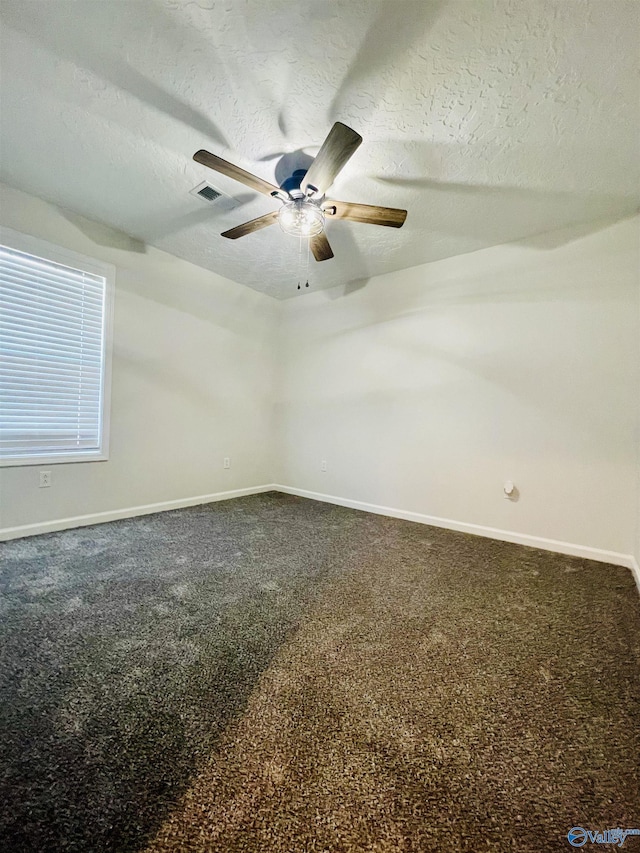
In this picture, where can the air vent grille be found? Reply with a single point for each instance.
(207, 193)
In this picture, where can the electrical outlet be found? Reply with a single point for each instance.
(323, 465)
(226, 463)
(45, 479)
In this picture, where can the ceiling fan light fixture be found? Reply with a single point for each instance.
(303, 194)
(301, 218)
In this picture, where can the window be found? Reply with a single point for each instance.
(55, 318)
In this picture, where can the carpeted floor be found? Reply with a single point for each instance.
(277, 675)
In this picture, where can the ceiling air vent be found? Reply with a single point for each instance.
(206, 192)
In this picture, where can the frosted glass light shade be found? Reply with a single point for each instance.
(302, 218)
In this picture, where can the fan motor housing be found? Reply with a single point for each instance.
(294, 182)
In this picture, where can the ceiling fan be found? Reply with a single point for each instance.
(303, 195)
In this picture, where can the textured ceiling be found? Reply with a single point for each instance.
(489, 121)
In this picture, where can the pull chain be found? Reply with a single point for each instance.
(300, 268)
(308, 241)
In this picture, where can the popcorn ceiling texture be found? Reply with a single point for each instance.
(274, 674)
(490, 121)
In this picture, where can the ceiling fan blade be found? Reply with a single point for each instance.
(369, 213)
(235, 172)
(320, 247)
(252, 225)
(336, 150)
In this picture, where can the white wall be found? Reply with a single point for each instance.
(637, 548)
(192, 381)
(425, 389)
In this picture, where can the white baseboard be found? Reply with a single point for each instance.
(128, 512)
(559, 547)
(635, 568)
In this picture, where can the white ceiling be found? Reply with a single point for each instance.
(490, 121)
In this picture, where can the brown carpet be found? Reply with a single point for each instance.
(447, 693)
(277, 675)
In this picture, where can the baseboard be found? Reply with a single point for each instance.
(635, 568)
(559, 547)
(128, 512)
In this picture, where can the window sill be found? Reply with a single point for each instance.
(69, 458)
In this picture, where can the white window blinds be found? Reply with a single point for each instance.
(52, 358)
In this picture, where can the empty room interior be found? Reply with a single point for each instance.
(319, 426)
